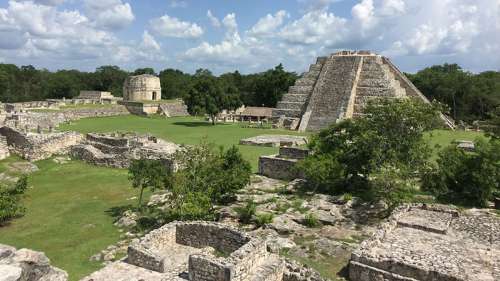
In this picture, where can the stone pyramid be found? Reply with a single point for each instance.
(338, 87)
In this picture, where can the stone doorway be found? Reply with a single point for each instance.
(154, 96)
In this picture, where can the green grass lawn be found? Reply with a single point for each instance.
(182, 130)
(68, 213)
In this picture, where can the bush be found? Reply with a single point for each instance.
(353, 155)
(264, 218)
(310, 220)
(246, 213)
(10, 200)
(464, 178)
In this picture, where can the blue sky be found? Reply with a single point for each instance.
(249, 36)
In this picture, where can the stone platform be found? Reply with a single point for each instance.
(281, 166)
(435, 243)
(275, 140)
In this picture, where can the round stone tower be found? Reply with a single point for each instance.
(144, 87)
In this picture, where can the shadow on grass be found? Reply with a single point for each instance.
(197, 124)
(117, 211)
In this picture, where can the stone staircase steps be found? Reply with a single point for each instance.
(294, 98)
(305, 82)
(271, 269)
(301, 90)
(290, 105)
(287, 112)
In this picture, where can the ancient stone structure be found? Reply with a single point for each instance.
(200, 251)
(275, 140)
(27, 265)
(4, 148)
(144, 87)
(173, 108)
(46, 120)
(281, 166)
(95, 95)
(37, 146)
(118, 149)
(338, 87)
(434, 242)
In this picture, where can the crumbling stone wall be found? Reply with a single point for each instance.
(48, 120)
(282, 166)
(431, 242)
(34, 146)
(118, 150)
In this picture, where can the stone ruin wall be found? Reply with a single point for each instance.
(282, 166)
(445, 245)
(244, 253)
(34, 147)
(174, 109)
(118, 150)
(50, 120)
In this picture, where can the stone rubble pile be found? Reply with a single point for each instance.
(27, 265)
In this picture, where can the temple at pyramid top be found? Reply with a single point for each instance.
(338, 87)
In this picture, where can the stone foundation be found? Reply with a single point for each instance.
(282, 166)
(118, 150)
(34, 146)
(197, 251)
(421, 242)
(275, 140)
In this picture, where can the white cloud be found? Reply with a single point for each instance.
(364, 14)
(213, 20)
(178, 4)
(149, 42)
(47, 2)
(268, 25)
(109, 14)
(315, 27)
(173, 27)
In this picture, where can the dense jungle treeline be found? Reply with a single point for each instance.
(469, 96)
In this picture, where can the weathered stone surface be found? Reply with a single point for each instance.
(118, 150)
(35, 146)
(27, 265)
(423, 242)
(275, 140)
(142, 88)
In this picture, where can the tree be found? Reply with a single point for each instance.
(147, 70)
(174, 83)
(466, 178)
(209, 96)
(352, 155)
(147, 173)
(110, 78)
(271, 85)
(10, 200)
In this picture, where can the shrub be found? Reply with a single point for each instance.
(310, 220)
(264, 218)
(347, 197)
(10, 200)
(464, 178)
(246, 213)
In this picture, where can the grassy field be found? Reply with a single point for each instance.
(68, 205)
(182, 130)
(68, 213)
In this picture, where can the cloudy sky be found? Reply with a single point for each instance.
(250, 36)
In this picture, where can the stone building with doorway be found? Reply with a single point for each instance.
(143, 87)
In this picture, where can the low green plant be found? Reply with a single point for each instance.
(310, 220)
(264, 218)
(246, 213)
(10, 200)
(347, 197)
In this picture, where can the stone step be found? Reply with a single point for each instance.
(290, 105)
(315, 67)
(294, 98)
(372, 75)
(371, 91)
(374, 83)
(271, 269)
(311, 74)
(305, 82)
(301, 90)
(287, 112)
